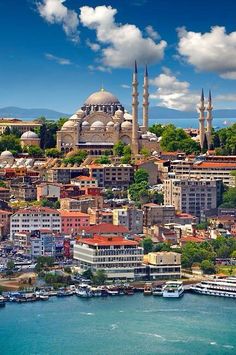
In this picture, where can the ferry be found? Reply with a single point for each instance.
(147, 291)
(217, 287)
(173, 289)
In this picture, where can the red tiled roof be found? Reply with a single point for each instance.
(108, 241)
(211, 165)
(37, 210)
(66, 213)
(104, 228)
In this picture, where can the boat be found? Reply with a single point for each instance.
(2, 302)
(64, 293)
(113, 291)
(157, 290)
(225, 287)
(96, 292)
(128, 290)
(84, 291)
(147, 291)
(173, 289)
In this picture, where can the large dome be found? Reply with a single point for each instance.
(102, 98)
(29, 135)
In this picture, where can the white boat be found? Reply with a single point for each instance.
(217, 287)
(147, 291)
(173, 289)
(157, 290)
(84, 291)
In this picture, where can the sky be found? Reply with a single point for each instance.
(55, 53)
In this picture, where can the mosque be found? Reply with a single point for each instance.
(102, 122)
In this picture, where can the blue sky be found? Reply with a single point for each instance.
(54, 53)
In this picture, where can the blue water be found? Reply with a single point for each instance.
(193, 122)
(120, 325)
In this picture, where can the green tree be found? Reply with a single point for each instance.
(99, 278)
(2, 184)
(61, 122)
(208, 267)
(141, 175)
(52, 152)
(233, 254)
(229, 198)
(119, 148)
(145, 152)
(103, 160)
(10, 142)
(147, 245)
(35, 151)
(10, 265)
(77, 158)
(157, 129)
(87, 274)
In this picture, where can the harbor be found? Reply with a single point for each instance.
(119, 325)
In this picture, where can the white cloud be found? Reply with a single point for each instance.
(94, 46)
(152, 33)
(226, 97)
(122, 43)
(125, 86)
(53, 11)
(212, 51)
(59, 60)
(99, 68)
(172, 93)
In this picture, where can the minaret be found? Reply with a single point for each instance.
(209, 119)
(201, 109)
(134, 146)
(145, 100)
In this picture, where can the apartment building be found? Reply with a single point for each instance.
(130, 217)
(109, 175)
(4, 194)
(116, 255)
(204, 170)
(35, 218)
(193, 196)
(4, 223)
(157, 214)
(73, 221)
(84, 182)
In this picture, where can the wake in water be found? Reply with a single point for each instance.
(87, 313)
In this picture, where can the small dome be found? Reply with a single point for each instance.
(29, 135)
(80, 113)
(101, 98)
(110, 124)
(6, 154)
(119, 113)
(73, 117)
(126, 125)
(68, 124)
(97, 124)
(128, 116)
(85, 124)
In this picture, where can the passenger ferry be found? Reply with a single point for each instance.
(217, 287)
(173, 289)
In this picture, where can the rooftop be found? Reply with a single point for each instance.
(98, 240)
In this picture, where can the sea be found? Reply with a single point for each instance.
(192, 122)
(120, 325)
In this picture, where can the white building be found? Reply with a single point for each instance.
(43, 244)
(117, 256)
(35, 218)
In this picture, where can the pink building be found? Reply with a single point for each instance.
(73, 221)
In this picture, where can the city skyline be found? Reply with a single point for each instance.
(55, 53)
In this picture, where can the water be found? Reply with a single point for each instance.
(120, 325)
(192, 122)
